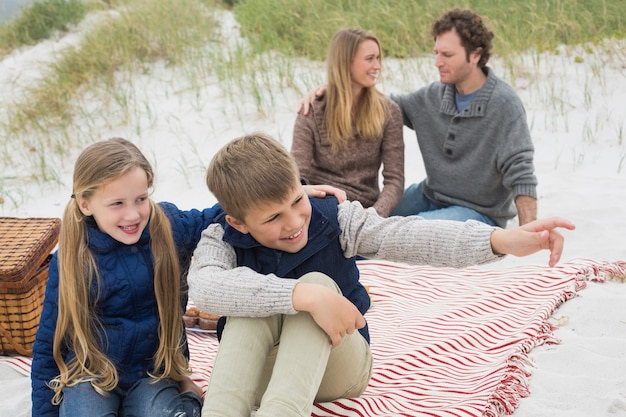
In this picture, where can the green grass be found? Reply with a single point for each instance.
(39, 21)
(304, 27)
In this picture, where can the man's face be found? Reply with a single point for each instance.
(451, 59)
(279, 225)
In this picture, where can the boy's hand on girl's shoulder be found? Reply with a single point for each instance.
(333, 312)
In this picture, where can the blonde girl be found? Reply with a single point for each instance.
(111, 340)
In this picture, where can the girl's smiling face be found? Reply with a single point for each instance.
(120, 207)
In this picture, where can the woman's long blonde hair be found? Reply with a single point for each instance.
(370, 112)
(77, 323)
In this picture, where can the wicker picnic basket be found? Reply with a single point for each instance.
(25, 246)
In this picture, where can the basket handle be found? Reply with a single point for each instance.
(18, 349)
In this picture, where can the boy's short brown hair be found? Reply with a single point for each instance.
(249, 171)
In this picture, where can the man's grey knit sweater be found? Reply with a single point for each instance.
(481, 158)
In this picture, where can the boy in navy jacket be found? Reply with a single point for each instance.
(282, 267)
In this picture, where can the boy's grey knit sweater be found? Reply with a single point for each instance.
(218, 286)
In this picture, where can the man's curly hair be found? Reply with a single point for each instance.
(471, 29)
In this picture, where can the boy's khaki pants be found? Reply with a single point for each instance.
(283, 364)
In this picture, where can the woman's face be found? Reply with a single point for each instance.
(365, 66)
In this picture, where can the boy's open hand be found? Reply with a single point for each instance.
(532, 237)
(333, 312)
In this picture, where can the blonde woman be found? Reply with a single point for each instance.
(353, 129)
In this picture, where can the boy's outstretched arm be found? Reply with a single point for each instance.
(333, 312)
(532, 237)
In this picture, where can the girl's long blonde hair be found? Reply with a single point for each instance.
(77, 323)
(367, 118)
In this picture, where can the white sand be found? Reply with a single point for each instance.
(576, 114)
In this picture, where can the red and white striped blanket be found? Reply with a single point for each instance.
(446, 342)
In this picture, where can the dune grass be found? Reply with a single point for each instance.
(129, 36)
(39, 21)
(143, 31)
(126, 39)
(304, 27)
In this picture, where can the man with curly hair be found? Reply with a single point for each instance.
(472, 132)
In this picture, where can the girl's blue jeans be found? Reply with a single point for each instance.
(161, 398)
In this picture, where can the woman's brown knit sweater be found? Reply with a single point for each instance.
(356, 167)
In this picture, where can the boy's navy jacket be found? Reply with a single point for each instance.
(128, 311)
(322, 253)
